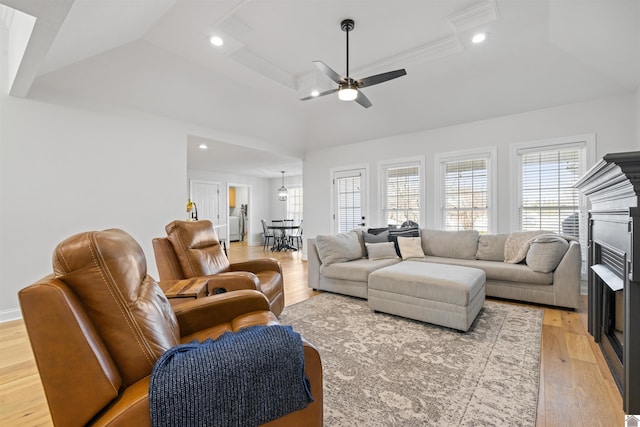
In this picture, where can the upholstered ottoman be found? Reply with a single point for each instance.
(446, 295)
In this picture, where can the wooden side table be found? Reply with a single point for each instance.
(179, 291)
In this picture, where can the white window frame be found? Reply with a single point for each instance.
(490, 154)
(586, 141)
(395, 163)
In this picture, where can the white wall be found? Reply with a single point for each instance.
(612, 119)
(258, 198)
(64, 170)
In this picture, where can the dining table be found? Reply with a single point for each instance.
(280, 241)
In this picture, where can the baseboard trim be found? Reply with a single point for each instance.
(9, 315)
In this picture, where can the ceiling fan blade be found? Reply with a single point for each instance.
(328, 71)
(381, 78)
(363, 100)
(326, 92)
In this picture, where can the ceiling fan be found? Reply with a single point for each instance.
(347, 87)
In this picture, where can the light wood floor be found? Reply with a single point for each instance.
(576, 387)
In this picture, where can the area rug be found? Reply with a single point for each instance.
(383, 370)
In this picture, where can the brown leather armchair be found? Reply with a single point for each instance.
(99, 323)
(192, 249)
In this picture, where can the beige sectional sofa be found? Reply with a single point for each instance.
(525, 276)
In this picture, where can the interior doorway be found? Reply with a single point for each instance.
(239, 212)
(206, 196)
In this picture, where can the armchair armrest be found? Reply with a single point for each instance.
(213, 310)
(257, 266)
(234, 281)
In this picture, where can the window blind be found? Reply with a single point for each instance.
(349, 207)
(402, 194)
(549, 202)
(466, 204)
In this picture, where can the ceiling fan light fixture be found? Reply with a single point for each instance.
(315, 93)
(347, 93)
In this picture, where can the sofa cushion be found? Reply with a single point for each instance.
(501, 271)
(517, 245)
(546, 252)
(410, 247)
(491, 247)
(450, 244)
(340, 247)
(356, 271)
(381, 250)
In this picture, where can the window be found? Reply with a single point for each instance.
(349, 208)
(294, 204)
(548, 199)
(544, 173)
(402, 192)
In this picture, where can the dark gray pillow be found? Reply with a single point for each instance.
(377, 230)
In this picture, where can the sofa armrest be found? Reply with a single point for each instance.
(234, 281)
(257, 266)
(566, 277)
(213, 310)
(313, 264)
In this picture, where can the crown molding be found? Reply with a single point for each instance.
(474, 16)
(433, 50)
(262, 66)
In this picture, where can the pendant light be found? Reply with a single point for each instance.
(282, 191)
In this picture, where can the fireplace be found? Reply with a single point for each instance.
(613, 188)
(608, 283)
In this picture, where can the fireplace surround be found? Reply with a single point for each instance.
(613, 188)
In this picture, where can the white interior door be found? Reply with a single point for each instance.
(206, 196)
(349, 199)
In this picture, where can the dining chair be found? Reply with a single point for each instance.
(296, 236)
(266, 234)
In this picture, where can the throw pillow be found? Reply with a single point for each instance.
(381, 250)
(374, 238)
(410, 247)
(377, 230)
(517, 245)
(394, 233)
(546, 252)
(491, 247)
(333, 248)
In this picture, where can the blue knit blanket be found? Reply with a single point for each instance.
(246, 378)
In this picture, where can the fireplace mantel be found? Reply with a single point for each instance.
(613, 189)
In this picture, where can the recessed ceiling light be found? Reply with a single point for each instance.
(203, 146)
(315, 93)
(216, 41)
(479, 38)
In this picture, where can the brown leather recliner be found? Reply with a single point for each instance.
(99, 323)
(192, 249)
